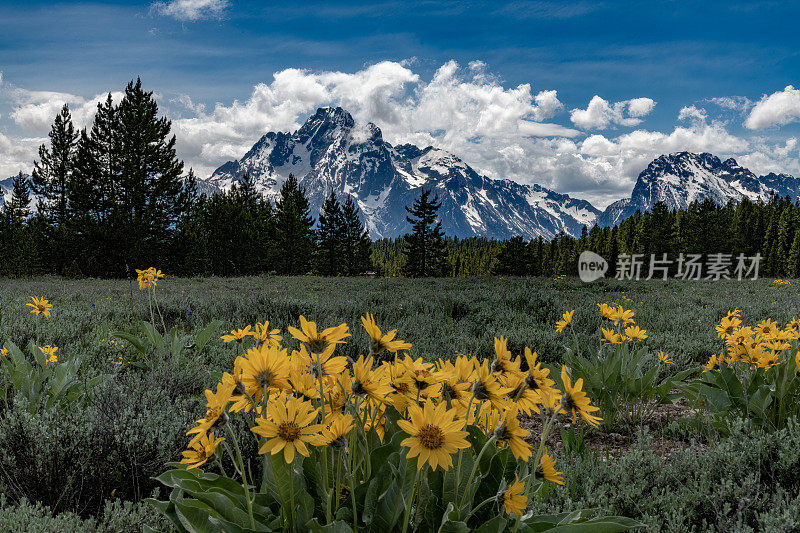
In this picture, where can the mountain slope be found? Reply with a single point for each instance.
(331, 152)
(680, 178)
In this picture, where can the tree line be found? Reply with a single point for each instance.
(114, 197)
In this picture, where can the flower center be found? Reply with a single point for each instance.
(400, 387)
(317, 345)
(288, 431)
(501, 433)
(532, 383)
(265, 379)
(569, 402)
(431, 437)
(480, 390)
(449, 391)
(358, 388)
(420, 379)
(376, 346)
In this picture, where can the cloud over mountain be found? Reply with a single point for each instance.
(517, 131)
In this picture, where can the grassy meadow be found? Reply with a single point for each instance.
(90, 467)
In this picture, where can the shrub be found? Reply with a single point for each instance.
(75, 460)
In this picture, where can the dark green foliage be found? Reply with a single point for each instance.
(425, 247)
(53, 171)
(293, 229)
(357, 246)
(514, 257)
(114, 517)
(330, 238)
(227, 234)
(76, 460)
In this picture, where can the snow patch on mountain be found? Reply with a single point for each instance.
(332, 152)
(678, 179)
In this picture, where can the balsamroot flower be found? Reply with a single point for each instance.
(40, 306)
(318, 342)
(216, 403)
(576, 402)
(379, 342)
(148, 278)
(566, 320)
(513, 499)
(435, 434)
(664, 358)
(509, 433)
(547, 469)
(288, 427)
(50, 352)
(237, 335)
(200, 450)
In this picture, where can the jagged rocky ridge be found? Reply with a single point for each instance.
(331, 152)
(680, 178)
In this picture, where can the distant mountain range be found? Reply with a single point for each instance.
(679, 179)
(332, 152)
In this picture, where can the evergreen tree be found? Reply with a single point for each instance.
(330, 237)
(52, 172)
(513, 257)
(19, 246)
(294, 229)
(18, 208)
(425, 248)
(149, 195)
(50, 182)
(793, 263)
(357, 246)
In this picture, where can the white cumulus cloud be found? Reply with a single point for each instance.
(600, 114)
(191, 10)
(692, 113)
(776, 109)
(503, 131)
(466, 111)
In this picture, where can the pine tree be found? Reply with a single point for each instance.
(18, 208)
(425, 248)
(150, 195)
(357, 246)
(513, 258)
(20, 250)
(51, 173)
(50, 182)
(294, 229)
(330, 241)
(793, 262)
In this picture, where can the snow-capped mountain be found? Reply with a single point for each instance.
(680, 178)
(332, 152)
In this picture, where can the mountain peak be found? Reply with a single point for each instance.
(331, 151)
(330, 117)
(680, 178)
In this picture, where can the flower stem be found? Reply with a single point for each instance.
(245, 484)
(489, 442)
(410, 502)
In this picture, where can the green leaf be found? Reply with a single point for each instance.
(334, 527)
(205, 335)
(391, 506)
(495, 525)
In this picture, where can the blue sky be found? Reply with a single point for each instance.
(668, 66)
